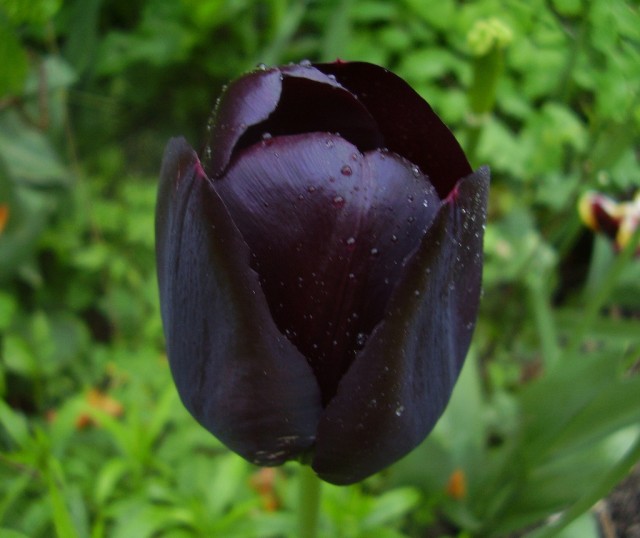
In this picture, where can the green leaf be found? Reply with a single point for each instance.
(62, 518)
(8, 533)
(390, 506)
(29, 155)
(14, 423)
(13, 59)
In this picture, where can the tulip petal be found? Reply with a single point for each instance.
(287, 100)
(328, 228)
(400, 383)
(236, 374)
(409, 126)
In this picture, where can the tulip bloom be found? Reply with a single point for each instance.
(319, 267)
(617, 220)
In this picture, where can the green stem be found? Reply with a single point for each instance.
(599, 297)
(309, 506)
(544, 319)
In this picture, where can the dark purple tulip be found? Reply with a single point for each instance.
(320, 267)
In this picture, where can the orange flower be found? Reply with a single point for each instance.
(457, 485)
(4, 216)
(102, 402)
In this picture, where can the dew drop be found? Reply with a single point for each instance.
(374, 251)
(361, 338)
(346, 170)
(261, 67)
(350, 241)
(311, 189)
(410, 198)
(305, 63)
(267, 139)
(394, 238)
(351, 276)
(338, 202)
(329, 143)
(331, 77)
(415, 171)
(416, 293)
(399, 410)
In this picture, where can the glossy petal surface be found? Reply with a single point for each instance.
(328, 228)
(238, 376)
(400, 383)
(408, 124)
(282, 101)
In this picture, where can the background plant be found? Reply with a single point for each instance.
(544, 421)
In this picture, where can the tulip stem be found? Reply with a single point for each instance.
(309, 504)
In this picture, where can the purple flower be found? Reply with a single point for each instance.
(320, 267)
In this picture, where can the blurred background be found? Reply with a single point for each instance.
(544, 422)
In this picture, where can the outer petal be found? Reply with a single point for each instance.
(236, 374)
(400, 383)
(409, 126)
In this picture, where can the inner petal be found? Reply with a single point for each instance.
(328, 228)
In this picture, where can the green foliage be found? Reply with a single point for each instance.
(544, 421)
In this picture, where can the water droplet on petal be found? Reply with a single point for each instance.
(346, 170)
(415, 171)
(329, 143)
(267, 139)
(338, 202)
(261, 67)
(399, 410)
(374, 251)
(350, 241)
(361, 338)
(305, 63)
